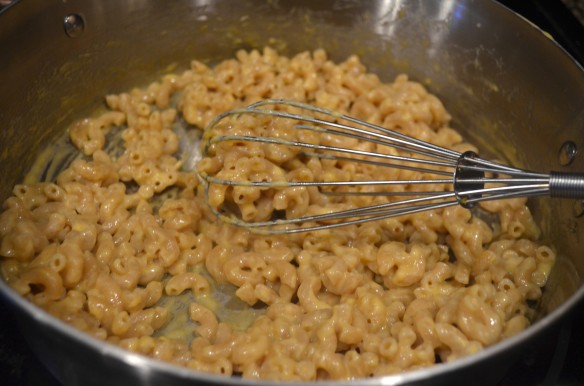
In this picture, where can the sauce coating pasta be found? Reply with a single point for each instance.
(124, 247)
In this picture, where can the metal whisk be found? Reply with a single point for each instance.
(442, 177)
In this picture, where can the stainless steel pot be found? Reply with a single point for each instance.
(504, 81)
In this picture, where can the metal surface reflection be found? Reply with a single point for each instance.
(386, 14)
(490, 90)
(447, 14)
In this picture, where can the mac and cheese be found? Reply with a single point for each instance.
(118, 234)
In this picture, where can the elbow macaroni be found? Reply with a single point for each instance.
(116, 234)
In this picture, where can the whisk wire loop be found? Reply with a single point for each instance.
(439, 177)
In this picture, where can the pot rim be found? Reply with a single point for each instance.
(146, 364)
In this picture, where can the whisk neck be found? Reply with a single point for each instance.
(467, 179)
(567, 185)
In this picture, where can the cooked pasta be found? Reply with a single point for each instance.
(117, 234)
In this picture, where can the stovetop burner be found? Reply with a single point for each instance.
(558, 361)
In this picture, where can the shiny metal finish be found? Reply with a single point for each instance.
(568, 153)
(461, 178)
(475, 55)
(74, 25)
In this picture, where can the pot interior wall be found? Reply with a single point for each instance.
(478, 58)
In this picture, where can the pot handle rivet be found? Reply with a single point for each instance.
(578, 208)
(74, 25)
(568, 153)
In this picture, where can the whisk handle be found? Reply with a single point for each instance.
(566, 185)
